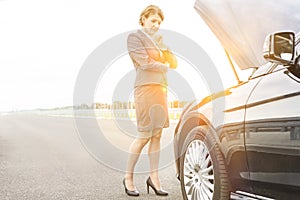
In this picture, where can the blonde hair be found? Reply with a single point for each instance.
(152, 9)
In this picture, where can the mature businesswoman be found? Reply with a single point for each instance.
(151, 59)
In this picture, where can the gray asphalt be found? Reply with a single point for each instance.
(42, 157)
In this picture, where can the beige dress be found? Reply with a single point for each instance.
(151, 107)
(150, 93)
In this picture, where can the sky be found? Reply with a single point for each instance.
(43, 45)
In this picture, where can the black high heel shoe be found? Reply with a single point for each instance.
(157, 192)
(130, 192)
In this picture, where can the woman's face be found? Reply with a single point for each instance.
(151, 24)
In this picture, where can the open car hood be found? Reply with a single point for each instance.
(242, 25)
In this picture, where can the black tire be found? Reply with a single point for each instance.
(205, 172)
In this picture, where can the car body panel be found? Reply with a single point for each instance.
(273, 132)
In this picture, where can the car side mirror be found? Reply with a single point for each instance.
(279, 47)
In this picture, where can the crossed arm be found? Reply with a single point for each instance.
(139, 54)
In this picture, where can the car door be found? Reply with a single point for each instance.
(272, 128)
(231, 132)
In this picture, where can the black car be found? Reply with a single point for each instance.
(244, 142)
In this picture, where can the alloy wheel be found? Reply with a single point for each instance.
(198, 171)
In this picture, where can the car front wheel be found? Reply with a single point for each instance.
(202, 168)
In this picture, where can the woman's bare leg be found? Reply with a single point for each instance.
(154, 154)
(134, 152)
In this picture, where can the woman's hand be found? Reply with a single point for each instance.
(170, 58)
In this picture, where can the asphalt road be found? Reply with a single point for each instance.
(44, 157)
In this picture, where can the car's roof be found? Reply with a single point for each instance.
(241, 26)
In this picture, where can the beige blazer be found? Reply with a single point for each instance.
(150, 62)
